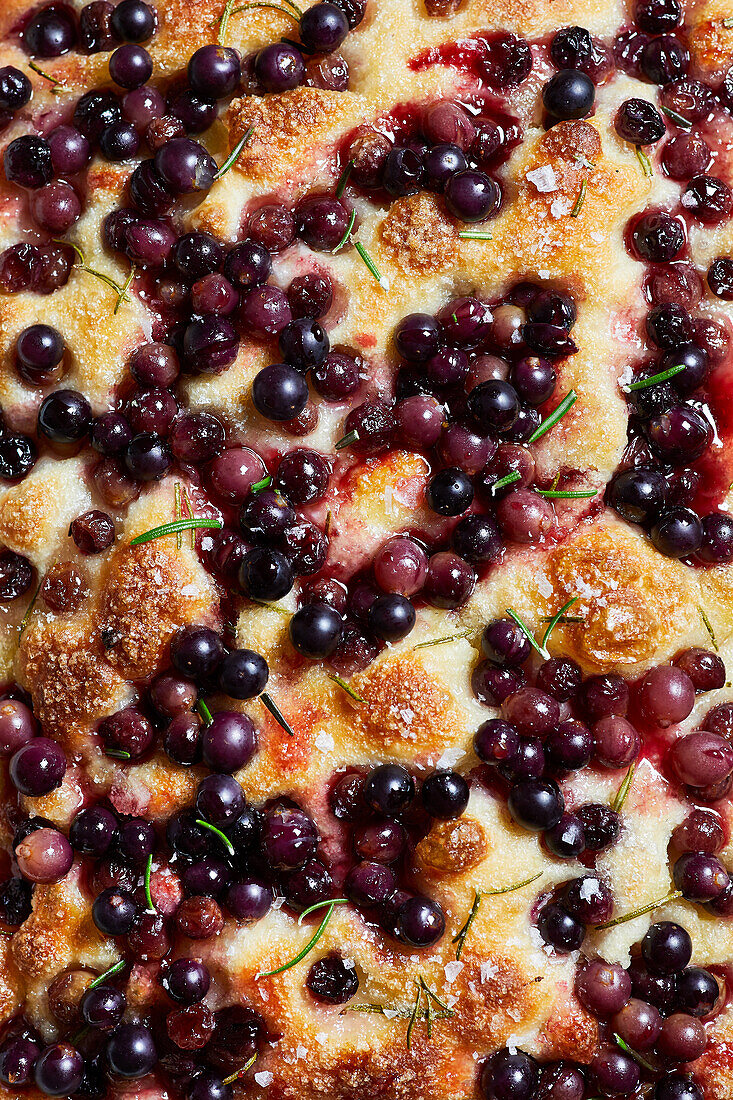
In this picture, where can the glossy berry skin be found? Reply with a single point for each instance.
(323, 27)
(220, 800)
(697, 991)
(677, 1086)
(131, 1050)
(289, 838)
(196, 652)
(279, 67)
(243, 674)
(559, 929)
(15, 89)
(229, 741)
(391, 617)
(130, 66)
(114, 912)
(472, 196)
(568, 94)
(566, 840)
(214, 71)
(389, 789)
(536, 804)
(38, 767)
(133, 21)
(700, 877)
(185, 166)
(59, 1070)
(444, 795)
(450, 492)
(279, 392)
(666, 948)
(103, 1007)
(639, 122)
(186, 981)
(509, 1075)
(27, 162)
(331, 981)
(420, 921)
(315, 630)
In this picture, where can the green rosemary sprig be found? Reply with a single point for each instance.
(508, 479)
(202, 708)
(123, 296)
(474, 235)
(118, 966)
(442, 641)
(579, 201)
(118, 754)
(565, 405)
(643, 159)
(622, 793)
(258, 486)
(174, 527)
(634, 1054)
(673, 895)
(57, 86)
(562, 494)
(276, 713)
(235, 151)
(345, 687)
(177, 513)
(370, 264)
(240, 1072)
(344, 178)
(679, 119)
(148, 895)
(709, 628)
(29, 610)
(460, 936)
(321, 905)
(120, 291)
(528, 633)
(346, 440)
(347, 234)
(644, 383)
(222, 836)
(308, 947)
(556, 619)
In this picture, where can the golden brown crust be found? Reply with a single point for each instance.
(419, 236)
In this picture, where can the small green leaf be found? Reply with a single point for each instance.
(556, 619)
(673, 895)
(644, 383)
(528, 633)
(681, 121)
(174, 527)
(308, 947)
(222, 836)
(442, 641)
(347, 234)
(508, 479)
(276, 713)
(579, 201)
(118, 966)
(565, 405)
(345, 687)
(202, 708)
(148, 895)
(643, 159)
(239, 146)
(622, 793)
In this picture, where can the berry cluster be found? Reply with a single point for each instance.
(562, 722)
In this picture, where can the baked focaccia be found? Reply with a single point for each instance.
(366, 595)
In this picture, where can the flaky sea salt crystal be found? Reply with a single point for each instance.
(264, 1078)
(450, 757)
(324, 741)
(543, 178)
(452, 970)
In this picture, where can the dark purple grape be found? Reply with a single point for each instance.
(185, 166)
(720, 277)
(444, 794)
(676, 1086)
(214, 71)
(570, 745)
(195, 113)
(569, 94)
(677, 533)
(131, 1049)
(303, 343)
(509, 1074)
(639, 1024)
(323, 27)
(27, 161)
(15, 89)
(666, 948)
(536, 804)
(114, 912)
(602, 825)
(639, 122)
(307, 885)
(717, 539)
(289, 837)
(210, 345)
(657, 237)
(229, 741)
(315, 630)
(55, 206)
(95, 111)
(558, 929)
(331, 979)
(95, 27)
(51, 32)
(664, 59)
(566, 840)
(93, 831)
(700, 877)
(420, 921)
(103, 1007)
(698, 991)
(249, 900)
(130, 66)
(134, 21)
(38, 767)
(708, 199)
(279, 392)
(59, 1070)
(186, 981)
(279, 67)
